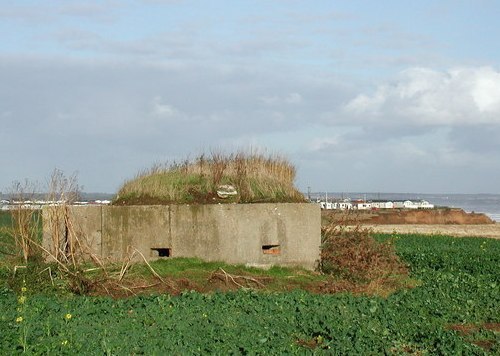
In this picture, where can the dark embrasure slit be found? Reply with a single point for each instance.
(162, 252)
(271, 249)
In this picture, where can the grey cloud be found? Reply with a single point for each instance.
(48, 12)
(402, 61)
(83, 113)
(398, 165)
(389, 36)
(260, 46)
(315, 18)
(481, 140)
(24, 13)
(161, 47)
(162, 2)
(98, 11)
(78, 39)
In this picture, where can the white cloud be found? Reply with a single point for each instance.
(368, 104)
(269, 100)
(422, 96)
(293, 98)
(486, 90)
(320, 144)
(163, 110)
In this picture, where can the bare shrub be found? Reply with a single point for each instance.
(63, 191)
(353, 254)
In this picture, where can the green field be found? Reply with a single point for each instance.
(454, 309)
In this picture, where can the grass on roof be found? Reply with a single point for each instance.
(256, 178)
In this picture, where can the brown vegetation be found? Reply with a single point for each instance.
(442, 216)
(469, 330)
(359, 263)
(488, 231)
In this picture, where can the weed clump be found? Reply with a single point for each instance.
(353, 256)
(255, 178)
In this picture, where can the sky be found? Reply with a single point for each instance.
(361, 96)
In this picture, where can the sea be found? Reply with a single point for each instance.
(488, 204)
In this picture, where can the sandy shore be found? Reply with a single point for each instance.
(490, 230)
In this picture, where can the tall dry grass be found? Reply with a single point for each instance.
(64, 243)
(25, 220)
(256, 177)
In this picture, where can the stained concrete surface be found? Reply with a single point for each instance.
(252, 234)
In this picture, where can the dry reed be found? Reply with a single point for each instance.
(25, 220)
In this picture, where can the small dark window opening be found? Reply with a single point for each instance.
(163, 252)
(271, 249)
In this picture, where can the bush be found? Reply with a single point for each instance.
(353, 254)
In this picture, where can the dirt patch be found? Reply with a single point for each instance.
(489, 231)
(314, 343)
(464, 329)
(441, 216)
(221, 277)
(132, 287)
(219, 281)
(195, 197)
(492, 326)
(468, 330)
(141, 200)
(484, 344)
(203, 198)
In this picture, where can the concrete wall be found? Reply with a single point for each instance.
(253, 234)
(135, 227)
(86, 223)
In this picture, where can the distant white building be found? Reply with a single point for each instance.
(328, 205)
(404, 204)
(362, 205)
(424, 204)
(346, 204)
(408, 204)
(336, 205)
(382, 204)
